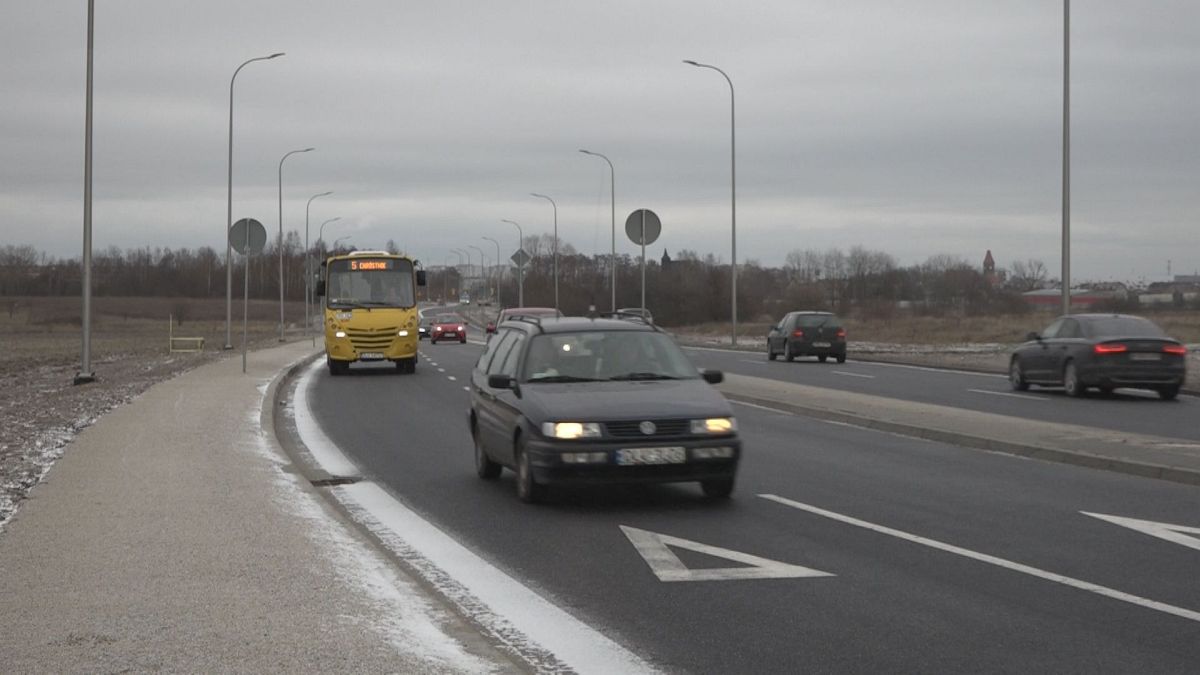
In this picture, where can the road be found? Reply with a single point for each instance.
(859, 505)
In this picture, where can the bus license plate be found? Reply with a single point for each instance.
(673, 455)
(371, 356)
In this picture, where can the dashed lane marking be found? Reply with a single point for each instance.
(1105, 591)
(1027, 397)
(842, 372)
(451, 378)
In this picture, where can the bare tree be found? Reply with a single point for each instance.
(1028, 275)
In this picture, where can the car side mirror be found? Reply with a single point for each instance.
(321, 288)
(1033, 337)
(713, 376)
(420, 277)
(500, 381)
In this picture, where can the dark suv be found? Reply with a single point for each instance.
(819, 334)
(578, 400)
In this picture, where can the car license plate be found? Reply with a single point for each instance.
(371, 356)
(673, 455)
(1145, 356)
(821, 344)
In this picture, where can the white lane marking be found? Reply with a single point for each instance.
(324, 451)
(451, 378)
(542, 633)
(466, 389)
(653, 547)
(496, 600)
(1179, 534)
(441, 370)
(842, 372)
(755, 362)
(1027, 397)
(871, 363)
(993, 560)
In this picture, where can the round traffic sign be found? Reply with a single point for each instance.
(643, 221)
(248, 234)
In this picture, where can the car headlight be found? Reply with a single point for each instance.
(714, 425)
(340, 334)
(571, 430)
(403, 333)
(461, 328)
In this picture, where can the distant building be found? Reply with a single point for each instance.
(666, 259)
(1187, 279)
(994, 279)
(1081, 298)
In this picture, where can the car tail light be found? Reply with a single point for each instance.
(797, 333)
(1104, 348)
(841, 332)
(1175, 349)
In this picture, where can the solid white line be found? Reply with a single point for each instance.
(1027, 397)
(993, 560)
(842, 372)
(326, 453)
(491, 596)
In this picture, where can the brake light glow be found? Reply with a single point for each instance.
(1175, 349)
(797, 333)
(841, 332)
(1110, 348)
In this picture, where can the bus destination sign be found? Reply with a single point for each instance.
(368, 265)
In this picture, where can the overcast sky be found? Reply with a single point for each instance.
(912, 127)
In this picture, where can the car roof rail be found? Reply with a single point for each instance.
(625, 315)
(527, 318)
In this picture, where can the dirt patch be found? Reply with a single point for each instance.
(41, 410)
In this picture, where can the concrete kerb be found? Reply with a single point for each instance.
(1143, 469)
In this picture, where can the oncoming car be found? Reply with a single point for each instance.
(448, 327)
(585, 401)
(1104, 351)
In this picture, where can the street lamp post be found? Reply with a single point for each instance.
(612, 173)
(1066, 151)
(321, 230)
(482, 266)
(555, 244)
(499, 269)
(308, 267)
(335, 242)
(732, 191)
(520, 268)
(229, 208)
(293, 152)
(446, 282)
(85, 373)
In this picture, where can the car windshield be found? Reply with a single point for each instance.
(370, 282)
(447, 318)
(1123, 326)
(606, 355)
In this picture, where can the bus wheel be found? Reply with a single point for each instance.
(407, 366)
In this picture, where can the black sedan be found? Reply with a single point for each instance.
(1104, 351)
(578, 401)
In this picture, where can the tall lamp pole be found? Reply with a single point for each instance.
(520, 268)
(555, 244)
(308, 267)
(482, 266)
(321, 230)
(446, 281)
(613, 185)
(85, 373)
(229, 208)
(1066, 150)
(499, 270)
(732, 190)
(281, 235)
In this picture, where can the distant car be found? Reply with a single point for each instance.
(636, 311)
(448, 327)
(578, 400)
(464, 299)
(819, 334)
(513, 312)
(1104, 351)
(424, 327)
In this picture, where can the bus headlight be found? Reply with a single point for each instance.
(340, 334)
(403, 333)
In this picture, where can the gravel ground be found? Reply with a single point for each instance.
(41, 410)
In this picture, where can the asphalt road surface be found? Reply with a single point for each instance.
(935, 558)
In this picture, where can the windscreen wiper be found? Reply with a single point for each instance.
(643, 376)
(560, 378)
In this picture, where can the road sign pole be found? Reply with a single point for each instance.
(643, 263)
(245, 298)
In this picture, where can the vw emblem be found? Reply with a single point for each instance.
(647, 428)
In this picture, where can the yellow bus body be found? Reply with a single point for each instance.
(370, 333)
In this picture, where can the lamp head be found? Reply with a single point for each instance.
(276, 55)
(690, 62)
(308, 150)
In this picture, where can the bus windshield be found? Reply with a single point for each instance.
(370, 282)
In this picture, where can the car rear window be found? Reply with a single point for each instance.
(814, 320)
(1123, 326)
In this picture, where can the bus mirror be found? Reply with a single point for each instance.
(420, 277)
(321, 288)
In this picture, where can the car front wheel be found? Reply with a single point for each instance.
(528, 489)
(1016, 376)
(1168, 393)
(787, 352)
(770, 353)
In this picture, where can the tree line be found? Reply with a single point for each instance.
(686, 288)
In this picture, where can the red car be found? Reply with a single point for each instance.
(448, 327)
(512, 312)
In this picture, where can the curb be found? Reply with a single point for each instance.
(1142, 469)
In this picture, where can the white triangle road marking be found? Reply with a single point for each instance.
(653, 547)
(1178, 534)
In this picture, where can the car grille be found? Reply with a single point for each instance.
(372, 340)
(662, 428)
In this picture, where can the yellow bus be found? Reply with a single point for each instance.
(370, 308)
